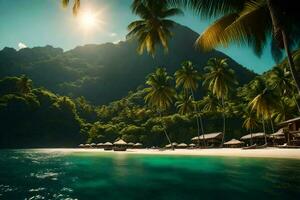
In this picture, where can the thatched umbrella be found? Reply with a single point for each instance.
(81, 145)
(192, 145)
(93, 144)
(107, 146)
(87, 145)
(233, 143)
(138, 145)
(120, 145)
(99, 144)
(174, 144)
(182, 146)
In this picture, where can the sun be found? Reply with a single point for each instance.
(88, 20)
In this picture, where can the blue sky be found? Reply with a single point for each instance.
(42, 22)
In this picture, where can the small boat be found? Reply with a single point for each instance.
(262, 146)
(254, 146)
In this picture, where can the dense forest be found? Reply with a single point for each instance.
(32, 116)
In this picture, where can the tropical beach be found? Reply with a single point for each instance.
(149, 99)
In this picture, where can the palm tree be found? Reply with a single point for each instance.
(184, 104)
(264, 104)
(76, 5)
(250, 122)
(160, 93)
(188, 77)
(280, 79)
(249, 22)
(154, 26)
(219, 79)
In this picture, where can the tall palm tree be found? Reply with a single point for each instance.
(188, 77)
(250, 122)
(264, 104)
(219, 79)
(154, 26)
(281, 80)
(160, 93)
(249, 22)
(76, 5)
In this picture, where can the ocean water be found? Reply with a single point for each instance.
(62, 174)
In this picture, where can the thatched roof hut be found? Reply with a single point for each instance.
(254, 135)
(233, 143)
(278, 135)
(211, 139)
(209, 136)
(99, 144)
(182, 146)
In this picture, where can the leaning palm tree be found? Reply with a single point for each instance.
(219, 79)
(160, 93)
(264, 104)
(250, 122)
(248, 22)
(188, 77)
(154, 26)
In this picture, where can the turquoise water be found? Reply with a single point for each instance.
(50, 174)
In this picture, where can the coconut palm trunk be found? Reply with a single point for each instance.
(165, 131)
(199, 122)
(279, 32)
(224, 121)
(264, 128)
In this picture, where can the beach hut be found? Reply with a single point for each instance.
(99, 145)
(107, 146)
(93, 145)
(211, 139)
(130, 145)
(137, 146)
(182, 146)
(292, 131)
(233, 143)
(278, 138)
(120, 145)
(257, 138)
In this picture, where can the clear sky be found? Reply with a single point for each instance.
(41, 22)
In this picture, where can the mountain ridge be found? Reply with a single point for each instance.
(106, 72)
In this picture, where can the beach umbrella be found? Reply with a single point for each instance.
(108, 144)
(130, 144)
(192, 145)
(81, 145)
(182, 145)
(174, 144)
(120, 142)
(138, 144)
(93, 144)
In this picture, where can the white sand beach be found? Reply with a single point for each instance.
(229, 152)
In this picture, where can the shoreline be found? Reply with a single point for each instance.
(225, 152)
